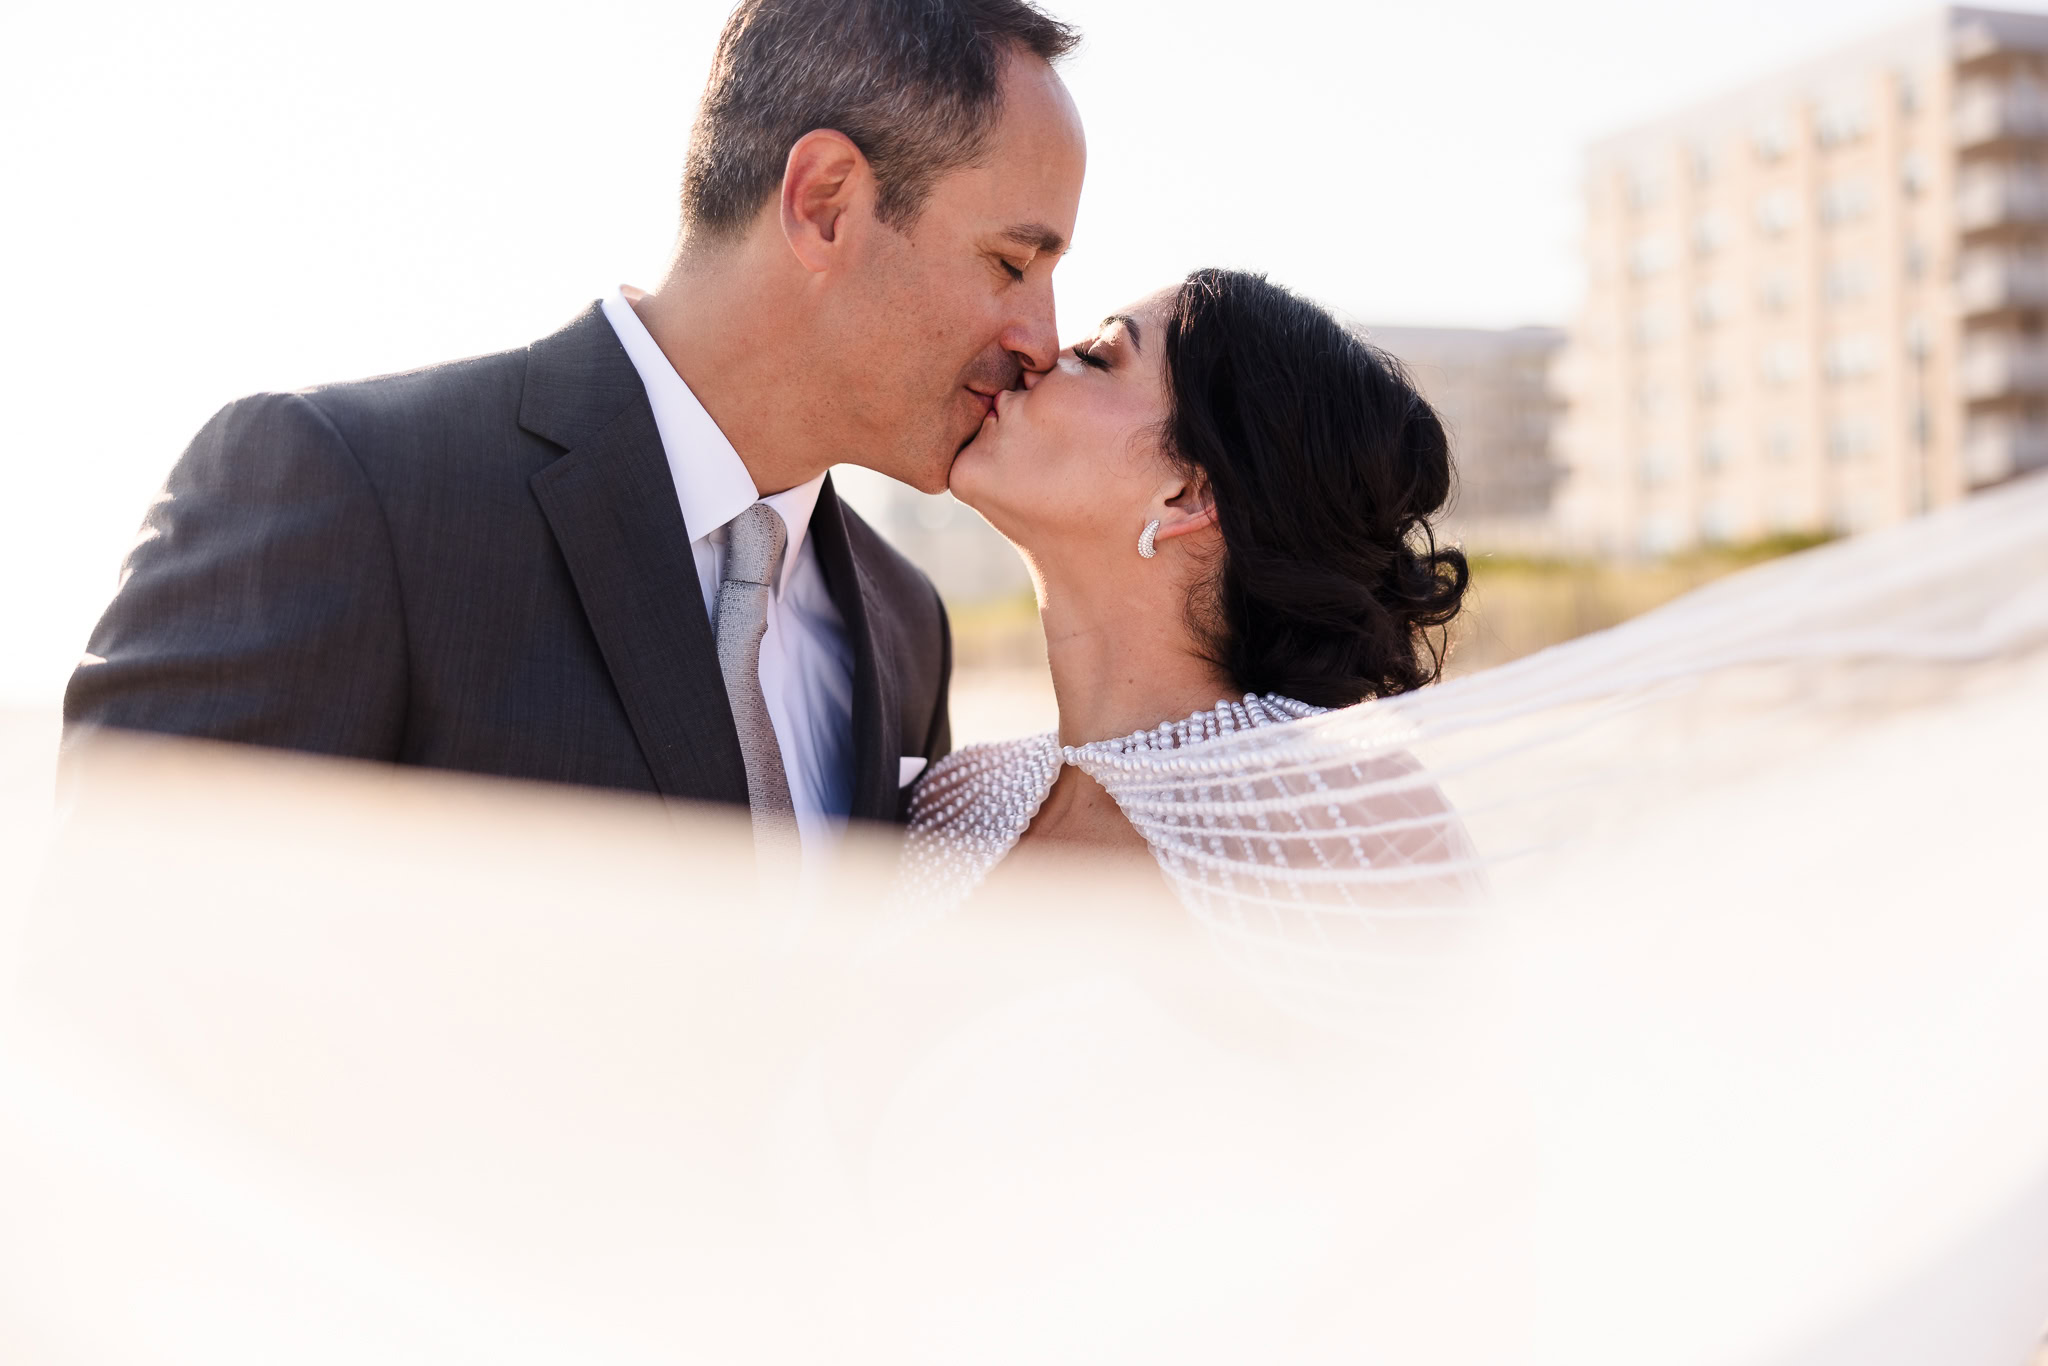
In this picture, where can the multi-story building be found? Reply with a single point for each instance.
(1496, 393)
(1818, 304)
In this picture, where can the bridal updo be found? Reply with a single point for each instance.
(1327, 467)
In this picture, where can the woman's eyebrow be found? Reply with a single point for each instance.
(1130, 326)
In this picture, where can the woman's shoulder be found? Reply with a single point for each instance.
(973, 775)
(968, 811)
(1272, 791)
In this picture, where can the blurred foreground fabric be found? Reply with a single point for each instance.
(1744, 1060)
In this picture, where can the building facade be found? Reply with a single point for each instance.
(1497, 394)
(1818, 304)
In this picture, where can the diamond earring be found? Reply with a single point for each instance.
(1145, 538)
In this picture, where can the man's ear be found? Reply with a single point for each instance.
(1188, 505)
(825, 178)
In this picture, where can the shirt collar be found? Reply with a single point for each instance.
(712, 483)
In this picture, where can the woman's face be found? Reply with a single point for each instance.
(1074, 459)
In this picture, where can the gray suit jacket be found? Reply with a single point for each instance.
(479, 566)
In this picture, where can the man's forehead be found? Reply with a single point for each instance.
(999, 212)
(1033, 170)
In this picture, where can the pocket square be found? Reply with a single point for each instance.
(907, 769)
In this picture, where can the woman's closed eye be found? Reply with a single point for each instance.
(1089, 357)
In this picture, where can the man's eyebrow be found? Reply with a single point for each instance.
(1038, 237)
(1130, 326)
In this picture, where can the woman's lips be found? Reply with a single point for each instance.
(989, 402)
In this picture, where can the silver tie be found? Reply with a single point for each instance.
(754, 542)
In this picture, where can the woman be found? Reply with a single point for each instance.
(1222, 494)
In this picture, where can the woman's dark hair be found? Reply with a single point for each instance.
(1326, 465)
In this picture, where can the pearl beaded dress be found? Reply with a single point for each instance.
(1244, 810)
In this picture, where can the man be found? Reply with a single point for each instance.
(614, 557)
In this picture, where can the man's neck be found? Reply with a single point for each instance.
(711, 320)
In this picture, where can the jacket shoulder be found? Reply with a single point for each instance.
(426, 398)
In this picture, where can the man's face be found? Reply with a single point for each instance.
(940, 319)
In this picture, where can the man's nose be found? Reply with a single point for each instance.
(1033, 336)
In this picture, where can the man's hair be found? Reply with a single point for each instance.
(913, 83)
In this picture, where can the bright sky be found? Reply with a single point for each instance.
(220, 196)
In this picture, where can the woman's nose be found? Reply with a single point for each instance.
(1031, 378)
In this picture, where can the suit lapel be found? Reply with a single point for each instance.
(611, 503)
(877, 688)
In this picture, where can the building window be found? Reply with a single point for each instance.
(1909, 93)
(1772, 138)
(1645, 188)
(1711, 384)
(1850, 439)
(1918, 338)
(1852, 357)
(1650, 326)
(1718, 522)
(1649, 255)
(1709, 232)
(1705, 165)
(1916, 259)
(1778, 363)
(1714, 450)
(1776, 212)
(1838, 123)
(1774, 293)
(1781, 443)
(1844, 201)
(1655, 465)
(1848, 282)
(1913, 174)
(1710, 305)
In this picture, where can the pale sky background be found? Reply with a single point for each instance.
(211, 198)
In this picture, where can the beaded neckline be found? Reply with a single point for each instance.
(972, 806)
(1225, 718)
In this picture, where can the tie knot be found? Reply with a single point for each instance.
(754, 542)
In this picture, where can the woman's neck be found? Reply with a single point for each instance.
(1123, 661)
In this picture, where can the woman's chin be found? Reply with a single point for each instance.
(968, 479)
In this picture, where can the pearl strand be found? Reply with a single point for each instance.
(970, 809)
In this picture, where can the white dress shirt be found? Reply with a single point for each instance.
(806, 660)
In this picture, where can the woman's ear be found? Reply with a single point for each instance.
(822, 181)
(1188, 505)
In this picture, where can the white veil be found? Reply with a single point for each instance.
(1310, 850)
(1739, 905)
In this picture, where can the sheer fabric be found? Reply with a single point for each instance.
(1308, 851)
(1319, 846)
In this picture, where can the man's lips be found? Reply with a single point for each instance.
(987, 401)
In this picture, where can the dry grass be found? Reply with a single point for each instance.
(1518, 605)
